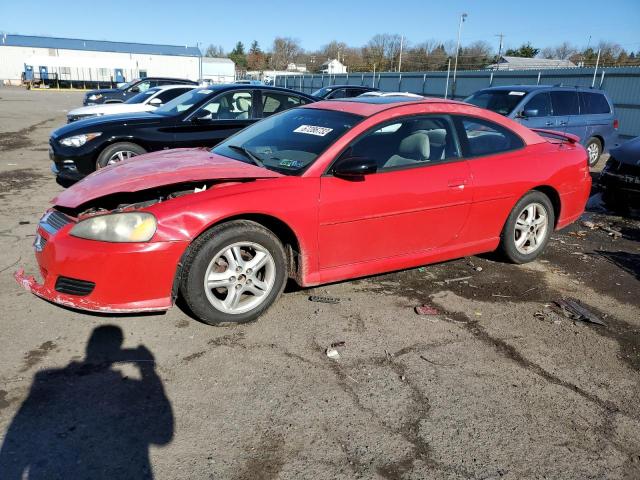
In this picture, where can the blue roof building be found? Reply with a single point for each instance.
(96, 45)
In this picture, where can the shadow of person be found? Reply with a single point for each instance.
(88, 420)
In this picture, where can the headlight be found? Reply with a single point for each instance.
(79, 140)
(117, 227)
(95, 96)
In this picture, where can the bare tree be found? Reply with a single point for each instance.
(284, 51)
(214, 51)
(383, 51)
(563, 51)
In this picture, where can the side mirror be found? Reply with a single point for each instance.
(354, 168)
(156, 102)
(134, 90)
(529, 112)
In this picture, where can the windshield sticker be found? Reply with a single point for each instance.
(517, 93)
(313, 130)
(291, 163)
(205, 92)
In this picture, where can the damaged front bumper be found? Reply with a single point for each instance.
(99, 276)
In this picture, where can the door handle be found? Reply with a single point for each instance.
(548, 124)
(458, 183)
(563, 123)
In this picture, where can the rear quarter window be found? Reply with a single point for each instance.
(565, 103)
(483, 137)
(593, 103)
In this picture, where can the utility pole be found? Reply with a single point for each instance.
(501, 36)
(455, 68)
(400, 59)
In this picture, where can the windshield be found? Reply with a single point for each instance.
(183, 102)
(322, 92)
(499, 101)
(142, 97)
(290, 141)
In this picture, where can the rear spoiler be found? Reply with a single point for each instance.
(571, 138)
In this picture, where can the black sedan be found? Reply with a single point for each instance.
(128, 90)
(620, 177)
(202, 117)
(334, 92)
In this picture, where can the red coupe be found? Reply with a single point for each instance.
(330, 191)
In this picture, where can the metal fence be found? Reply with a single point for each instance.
(621, 83)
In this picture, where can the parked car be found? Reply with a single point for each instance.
(341, 91)
(620, 178)
(329, 191)
(248, 82)
(202, 117)
(143, 102)
(129, 89)
(585, 112)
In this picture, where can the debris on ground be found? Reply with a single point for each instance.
(422, 269)
(24, 222)
(338, 344)
(604, 227)
(426, 310)
(572, 308)
(332, 353)
(458, 279)
(316, 298)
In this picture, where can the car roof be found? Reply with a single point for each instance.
(350, 86)
(170, 87)
(368, 106)
(219, 87)
(535, 88)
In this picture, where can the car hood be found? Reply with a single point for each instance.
(102, 91)
(95, 123)
(111, 109)
(159, 169)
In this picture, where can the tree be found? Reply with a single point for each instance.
(214, 51)
(475, 56)
(284, 51)
(382, 51)
(563, 51)
(256, 59)
(238, 56)
(526, 50)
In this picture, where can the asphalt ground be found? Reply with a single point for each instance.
(498, 384)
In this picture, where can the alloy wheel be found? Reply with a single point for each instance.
(531, 228)
(239, 277)
(120, 156)
(594, 153)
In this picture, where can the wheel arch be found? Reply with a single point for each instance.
(553, 195)
(280, 229)
(598, 137)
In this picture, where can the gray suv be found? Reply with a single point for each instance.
(585, 112)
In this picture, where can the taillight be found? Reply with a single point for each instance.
(616, 124)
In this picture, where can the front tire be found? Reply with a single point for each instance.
(118, 152)
(594, 149)
(528, 228)
(233, 273)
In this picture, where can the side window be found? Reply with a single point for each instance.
(336, 94)
(170, 94)
(353, 92)
(410, 142)
(235, 105)
(142, 86)
(538, 106)
(275, 102)
(564, 103)
(487, 138)
(593, 103)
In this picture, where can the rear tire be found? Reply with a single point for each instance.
(117, 152)
(233, 273)
(594, 149)
(528, 228)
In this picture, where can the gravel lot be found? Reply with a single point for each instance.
(498, 385)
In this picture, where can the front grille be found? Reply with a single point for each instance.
(73, 286)
(53, 221)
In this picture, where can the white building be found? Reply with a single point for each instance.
(218, 70)
(67, 59)
(297, 67)
(333, 67)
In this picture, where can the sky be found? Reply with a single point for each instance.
(223, 22)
